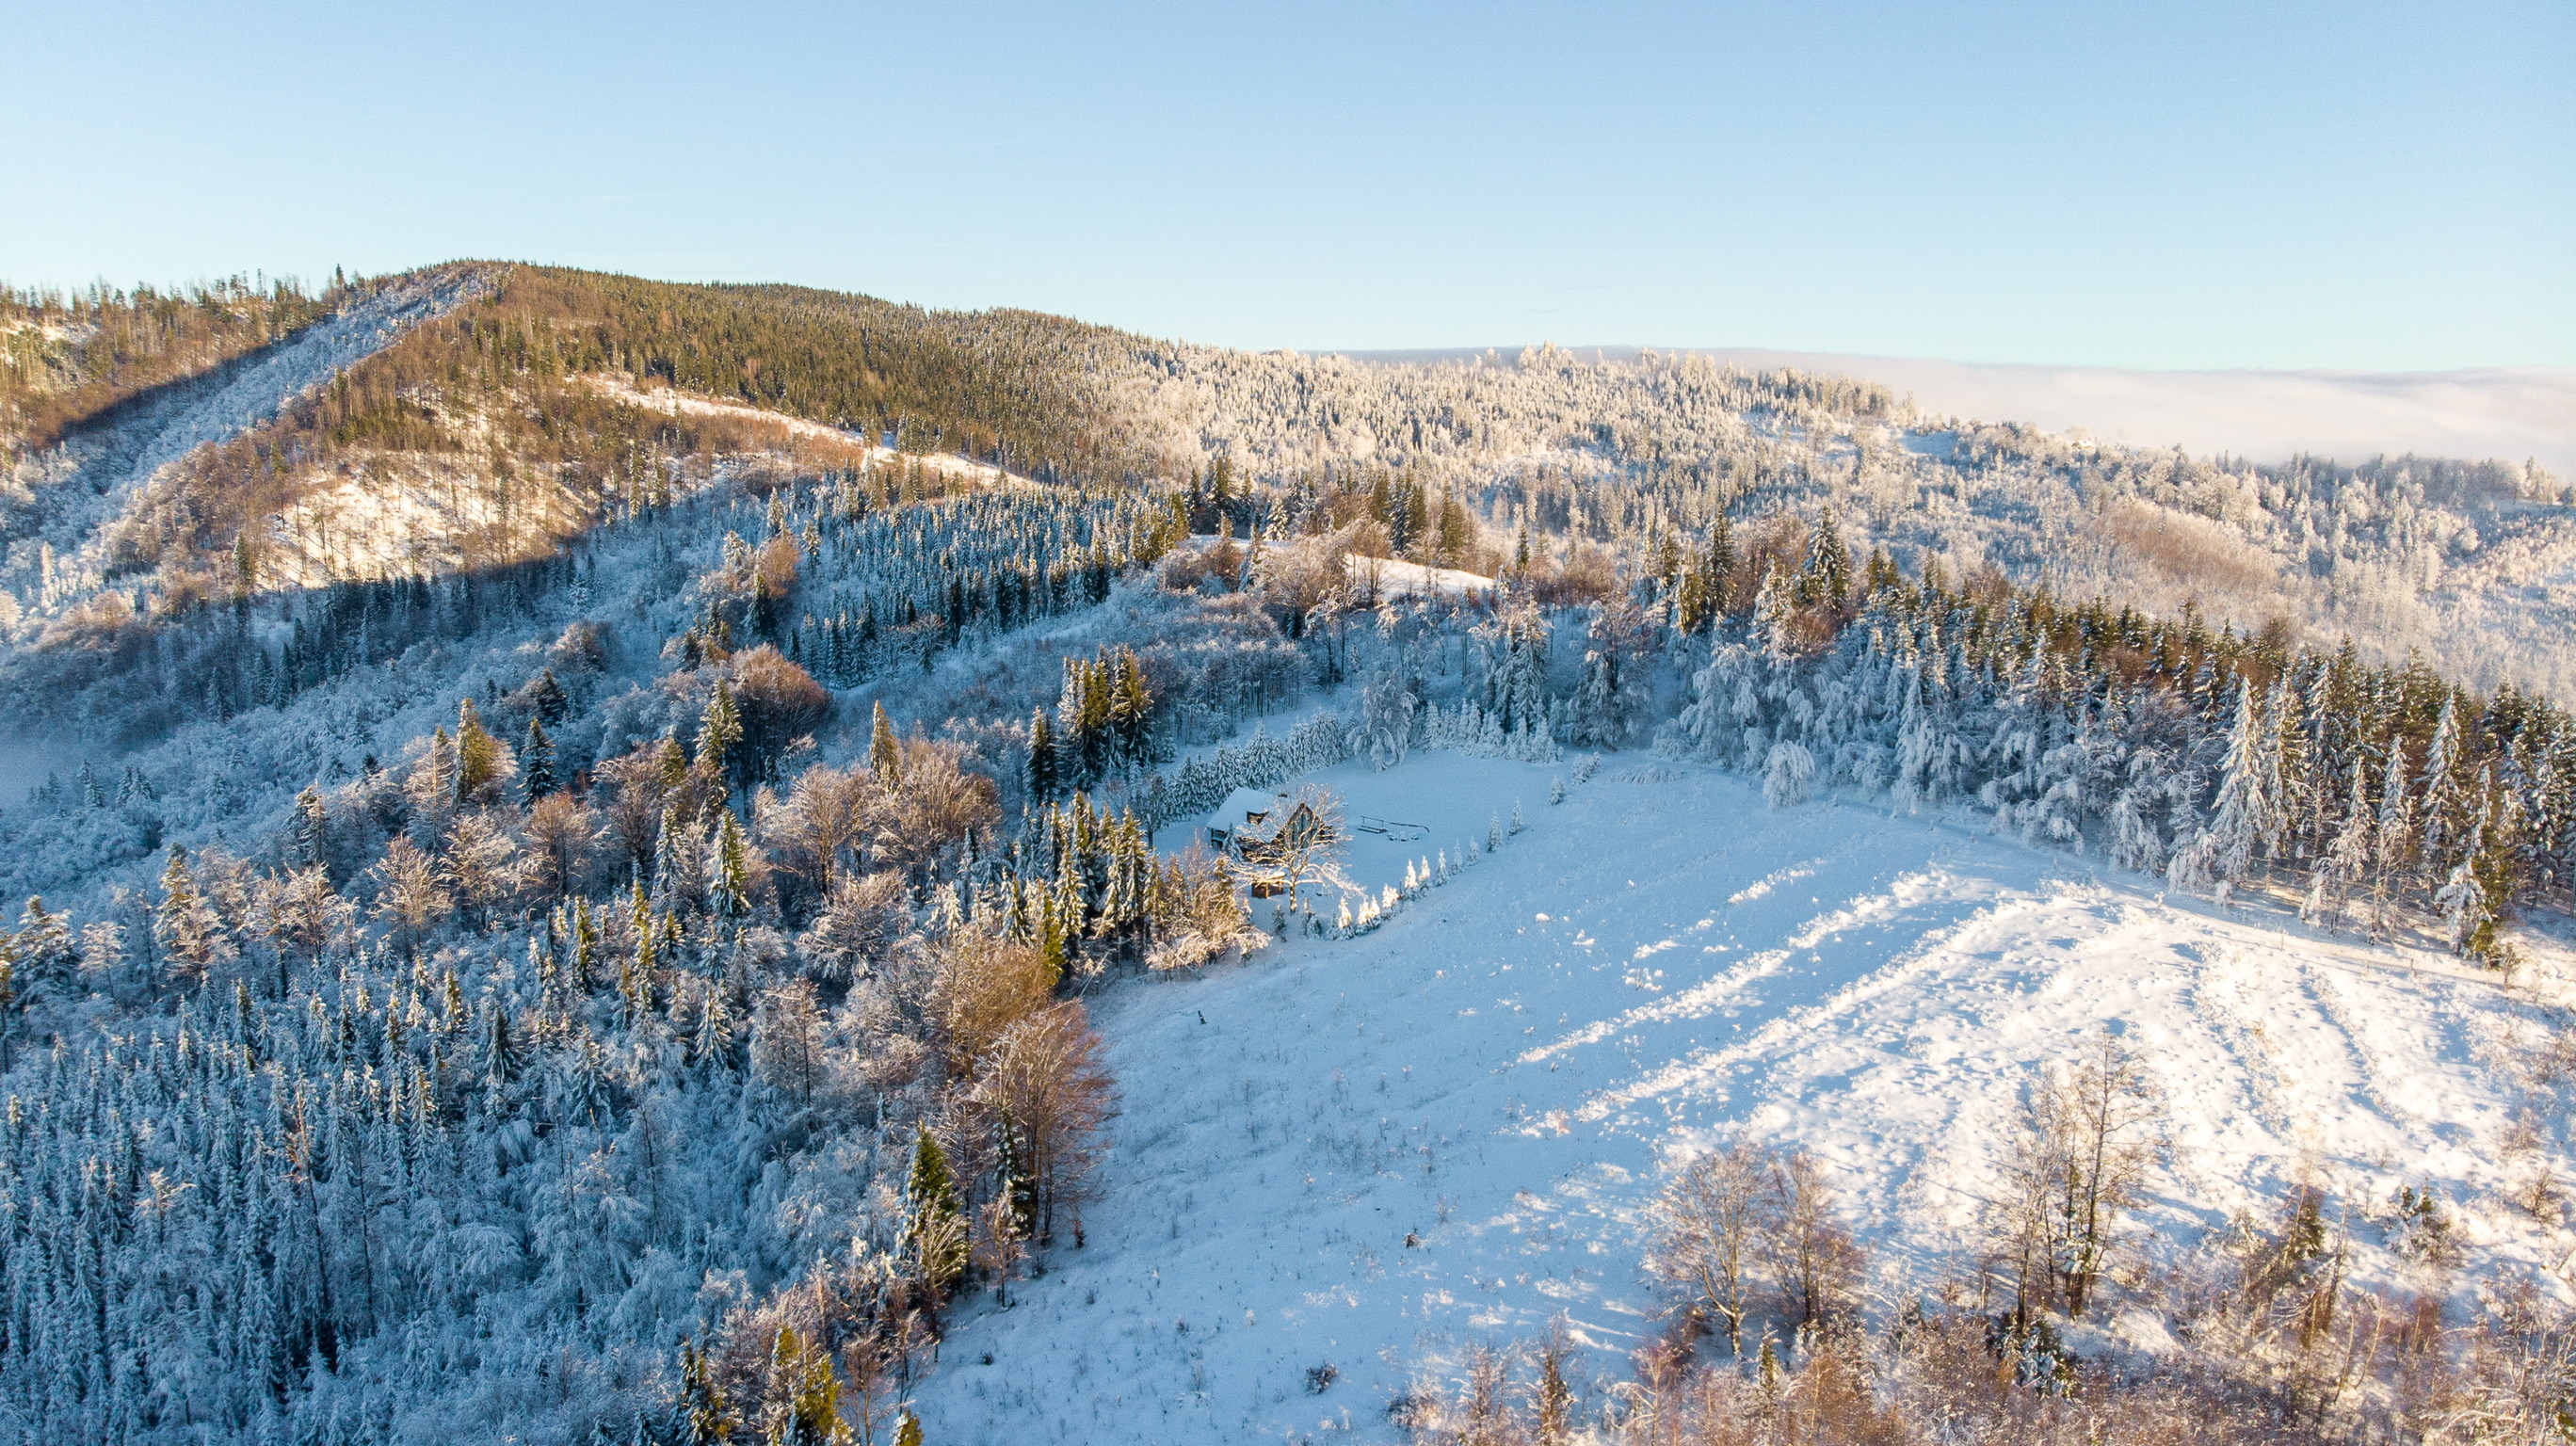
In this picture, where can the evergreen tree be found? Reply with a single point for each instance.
(2394, 845)
(2442, 813)
(1042, 761)
(547, 697)
(706, 1418)
(308, 834)
(885, 753)
(729, 868)
(537, 764)
(481, 761)
(720, 756)
(935, 1223)
(1717, 559)
(1825, 577)
(185, 925)
(2248, 808)
(498, 1058)
(2347, 860)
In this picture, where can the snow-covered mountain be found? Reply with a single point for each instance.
(603, 851)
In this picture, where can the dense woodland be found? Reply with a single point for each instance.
(72, 358)
(625, 975)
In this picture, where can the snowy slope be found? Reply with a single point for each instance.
(1396, 578)
(98, 472)
(948, 464)
(1501, 1070)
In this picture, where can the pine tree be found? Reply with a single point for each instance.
(1042, 760)
(548, 698)
(308, 836)
(481, 761)
(537, 766)
(719, 758)
(729, 868)
(885, 754)
(184, 924)
(935, 1225)
(2248, 792)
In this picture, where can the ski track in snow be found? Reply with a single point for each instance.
(1376, 1150)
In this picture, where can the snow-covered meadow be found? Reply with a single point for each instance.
(1370, 1152)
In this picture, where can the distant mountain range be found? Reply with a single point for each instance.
(2261, 416)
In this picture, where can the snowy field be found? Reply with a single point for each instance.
(1370, 1152)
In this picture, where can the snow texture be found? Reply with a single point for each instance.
(1372, 1151)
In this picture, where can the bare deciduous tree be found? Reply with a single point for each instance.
(561, 831)
(787, 1039)
(1709, 1217)
(1045, 1081)
(1812, 1257)
(1197, 915)
(2071, 1171)
(860, 921)
(482, 864)
(408, 892)
(983, 986)
(1302, 842)
(299, 915)
(821, 822)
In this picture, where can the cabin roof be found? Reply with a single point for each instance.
(1240, 805)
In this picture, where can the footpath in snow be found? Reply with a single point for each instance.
(1370, 1152)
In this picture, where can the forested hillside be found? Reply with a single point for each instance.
(602, 821)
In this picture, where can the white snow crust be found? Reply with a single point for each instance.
(1373, 1151)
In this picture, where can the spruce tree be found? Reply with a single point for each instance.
(1825, 577)
(547, 696)
(729, 868)
(1042, 760)
(2393, 849)
(719, 757)
(308, 836)
(481, 761)
(1717, 559)
(935, 1225)
(537, 765)
(2248, 792)
(706, 1417)
(2442, 812)
(885, 753)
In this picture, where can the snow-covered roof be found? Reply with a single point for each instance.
(1240, 805)
(1397, 578)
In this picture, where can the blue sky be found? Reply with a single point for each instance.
(2242, 185)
